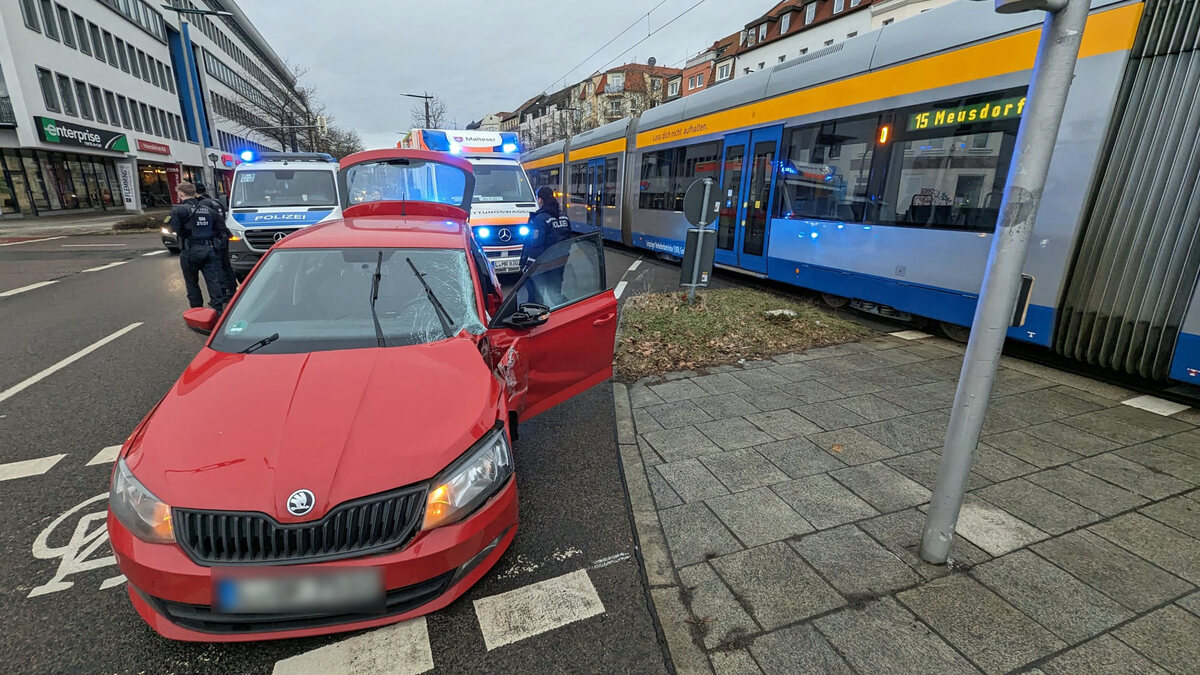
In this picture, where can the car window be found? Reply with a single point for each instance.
(320, 299)
(403, 179)
(565, 273)
(501, 183)
(262, 188)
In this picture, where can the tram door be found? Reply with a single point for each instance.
(747, 177)
(595, 191)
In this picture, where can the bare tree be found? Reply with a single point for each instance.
(436, 114)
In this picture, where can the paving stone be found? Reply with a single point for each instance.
(830, 415)
(783, 424)
(899, 356)
(922, 397)
(854, 563)
(841, 365)
(873, 408)
(1187, 442)
(993, 634)
(756, 363)
(996, 465)
(1071, 438)
(1104, 423)
(1168, 548)
(902, 436)
(691, 480)
(883, 637)
(785, 359)
(769, 399)
(1159, 424)
(733, 662)
(932, 422)
(796, 372)
(798, 457)
(1087, 490)
(949, 367)
(823, 501)
(1058, 601)
(810, 391)
(683, 443)
(649, 456)
(710, 601)
(1090, 397)
(776, 584)
(680, 390)
(664, 494)
(922, 468)
(898, 377)
(901, 533)
(1190, 603)
(998, 421)
(759, 517)
(851, 385)
(1043, 405)
(1132, 476)
(1105, 654)
(852, 446)
(640, 396)
(1168, 637)
(1032, 449)
(1112, 570)
(1180, 513)
(675, 375)
(694, 534)
(735, 433)
(724, 406)
(677, 414)
(1163, 460)
(1009, 381)
(644, 422)
(993, 529)
(797, 649)
(760, 378)
(743, 469)
(1037, 506)
(882, 486)
(720, 383)
(844, 349)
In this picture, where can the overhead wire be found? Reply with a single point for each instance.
(606, 44)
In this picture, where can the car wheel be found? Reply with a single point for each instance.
(172, 251)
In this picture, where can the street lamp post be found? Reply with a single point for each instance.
(427, 98)
(1053, 70)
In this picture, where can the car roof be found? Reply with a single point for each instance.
(382, 231)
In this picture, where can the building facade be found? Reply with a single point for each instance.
(620, 92)
(108, 104)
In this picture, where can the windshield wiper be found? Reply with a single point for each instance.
(261, 343)
(442, 314)
(374, 296)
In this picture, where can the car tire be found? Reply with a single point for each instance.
(172, 251)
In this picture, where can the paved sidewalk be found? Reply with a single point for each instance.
(90, 222)
(779, 506)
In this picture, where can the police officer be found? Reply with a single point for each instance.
(198, 222)
(547, 227)
(229, 281)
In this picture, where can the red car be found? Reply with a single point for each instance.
(339, 454)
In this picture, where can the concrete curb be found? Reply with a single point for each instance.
(665, 589)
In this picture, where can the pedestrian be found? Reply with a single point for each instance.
(547, 227)
(229, 281)
(198, 222)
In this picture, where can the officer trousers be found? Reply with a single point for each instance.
(229, 282)
(201, 258)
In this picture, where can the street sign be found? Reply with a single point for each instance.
(698, 207)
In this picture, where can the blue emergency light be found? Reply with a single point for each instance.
(247, 155)
(484, 232)
(509, 147)
(523, 230)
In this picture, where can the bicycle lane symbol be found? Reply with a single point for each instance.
(89, 535)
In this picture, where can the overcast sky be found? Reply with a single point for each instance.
(481, 56)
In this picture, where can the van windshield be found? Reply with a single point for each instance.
(262, 188)
(501, 183)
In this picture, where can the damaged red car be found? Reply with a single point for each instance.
(339, 455)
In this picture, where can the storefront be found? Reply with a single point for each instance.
(35, 182)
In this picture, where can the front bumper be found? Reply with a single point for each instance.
(174, 595)
(241, 258)
(170, 240)
(504, 259)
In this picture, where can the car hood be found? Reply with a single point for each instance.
(242, 432)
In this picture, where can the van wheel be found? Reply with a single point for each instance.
(834, 301)
(955, 332)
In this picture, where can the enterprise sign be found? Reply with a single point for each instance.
(66, 133)
(1005, 109)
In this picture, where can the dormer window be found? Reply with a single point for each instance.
(810, 13)
(785, 22)
(762, 32)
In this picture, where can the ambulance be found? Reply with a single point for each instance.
(503, 197)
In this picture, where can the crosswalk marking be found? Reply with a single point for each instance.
(105, 267)
(527, 611)
(22, 289)
(402, 649)
(910, 334)
(106, 456)
(1156, 405)
(29, 382)
(28, 467)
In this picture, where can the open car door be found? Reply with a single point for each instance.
(554, 335)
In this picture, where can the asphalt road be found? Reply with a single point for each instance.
(64, 602)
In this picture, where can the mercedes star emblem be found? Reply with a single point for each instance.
(301, 502)
(279, 236)
(505, 235)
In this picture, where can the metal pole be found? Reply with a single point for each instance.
(708, 183)
(427, 112)
(1052, 74)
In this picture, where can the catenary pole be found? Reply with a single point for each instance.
(1052, 73)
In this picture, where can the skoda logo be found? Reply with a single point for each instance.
(301, 502)
(279, 236)
(505, 235)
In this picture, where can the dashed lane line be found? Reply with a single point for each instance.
(530, 610)
(22, 289)
(402, 649)
(28, 467)
(620, 289)
(105, 267)
(147, 255)
(636, 264)
(32, 241)
(30, 381)
(93, 245)
(106, 456)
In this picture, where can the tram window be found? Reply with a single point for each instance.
(698, 161)
(610, 181)
(656, 175)
(825, 172)
(579, 183)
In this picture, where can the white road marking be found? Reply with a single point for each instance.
(106, 456)
(534, 609)
(93, 245)
(29, 382)
(114, 581)
(22, 289)
(28, 467)
(33, 241)
(620, 289)
(105, 267)
(89, 535)
(147, 255)
(910, 334)
(1156, 405)
(610, 560)
(402, 649)
(636, 263)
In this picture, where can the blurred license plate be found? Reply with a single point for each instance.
(506, 264)
(284, 591)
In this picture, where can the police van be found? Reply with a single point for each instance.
(503, 197)
(273, 195)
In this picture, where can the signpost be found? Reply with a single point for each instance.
(700, 209)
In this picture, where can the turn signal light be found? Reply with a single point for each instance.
(884, 132)
(234, 237)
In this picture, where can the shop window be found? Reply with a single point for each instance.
(826, 169)
(48, 20)
(64, 23)
(29, 12)
(97, 42)
(66, 95)
(85, 102)
(98, 104)
(49, 93)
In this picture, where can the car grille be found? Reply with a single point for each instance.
(263, 239)
(203, 618)
(358, 527)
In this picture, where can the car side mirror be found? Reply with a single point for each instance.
(528, 315)
(201, 319)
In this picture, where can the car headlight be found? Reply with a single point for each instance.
(138, 509)
(470, 481)
(166, 230)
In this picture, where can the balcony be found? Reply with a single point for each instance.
(7, 118)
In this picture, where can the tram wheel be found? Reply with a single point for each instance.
(834, 301)
(955, 332)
